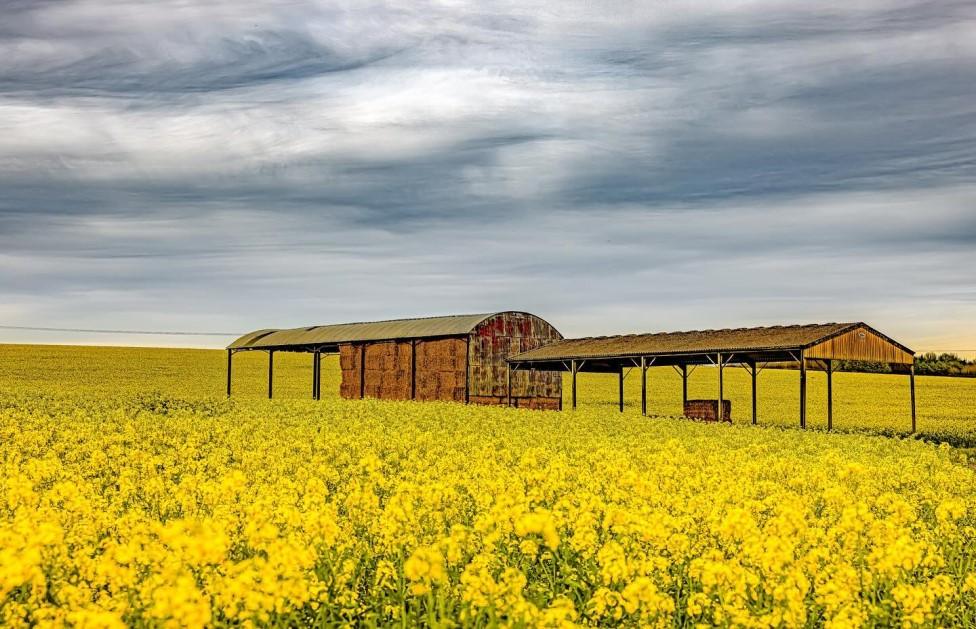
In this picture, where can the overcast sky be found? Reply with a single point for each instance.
(612, 167)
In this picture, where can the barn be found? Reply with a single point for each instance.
(461, 358)
(811, 346)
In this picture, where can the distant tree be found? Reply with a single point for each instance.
(945, 364)
(861, 366)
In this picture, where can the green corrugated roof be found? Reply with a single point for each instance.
(455, 325)
(778, 337)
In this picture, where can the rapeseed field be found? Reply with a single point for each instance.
(132, 493)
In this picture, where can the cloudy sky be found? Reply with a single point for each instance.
(613, 167)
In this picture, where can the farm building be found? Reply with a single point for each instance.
(455, 358)
(516, 359)
(817, 346)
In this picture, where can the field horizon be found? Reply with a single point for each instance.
(943, 413)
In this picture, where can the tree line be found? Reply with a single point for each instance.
(928, 364)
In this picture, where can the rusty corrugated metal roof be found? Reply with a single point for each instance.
(779, 337)
(455, 325)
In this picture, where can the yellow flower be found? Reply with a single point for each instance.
(424, 568)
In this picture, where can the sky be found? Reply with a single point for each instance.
(613, 167)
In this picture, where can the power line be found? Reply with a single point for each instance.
(93, 331)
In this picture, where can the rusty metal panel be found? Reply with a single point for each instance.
(500, 337)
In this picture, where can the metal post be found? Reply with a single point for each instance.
(911, 376)
(684, 387)
(755, 375)
(270, 373)
(230, 364)
(803, 391)
(721, 394)
(620, 389)
(315, 360)
(643, 386)
(574, 369)
(830, 394)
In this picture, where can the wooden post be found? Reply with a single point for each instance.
(230, 364)
(362, 371)
(270, 373)
(620, 389)
(830, 394)
(755, 375)
(803, 391)
(684, 387)
(721, 394)
(911, 377)
(643, 386)
(574, 369)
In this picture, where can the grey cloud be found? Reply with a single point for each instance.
(656, 167)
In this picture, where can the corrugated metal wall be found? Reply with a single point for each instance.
(500, 337)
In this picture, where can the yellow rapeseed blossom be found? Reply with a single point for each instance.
(181, 510)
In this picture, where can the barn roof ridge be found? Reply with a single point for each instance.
(399, 319)
(350, 332)
(718, 330)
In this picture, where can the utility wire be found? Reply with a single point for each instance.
(174, 333)
(92, 331)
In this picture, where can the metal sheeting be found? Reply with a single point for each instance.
(429, 327)
(740, 340)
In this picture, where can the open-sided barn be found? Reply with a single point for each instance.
(458, 358)
(820, 345)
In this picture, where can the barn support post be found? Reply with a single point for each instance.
(684, 387)
(911, 380)
(830, 394)
(230, 365)
(752, 368)
(643, 367)
(755, 374)
(721, 393)
(574, 368)
(803, 391)
(270, 373)
(620, 389)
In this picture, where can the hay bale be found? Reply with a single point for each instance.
(707, 410)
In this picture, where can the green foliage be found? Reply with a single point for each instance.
(944, 364)
(860, 366)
